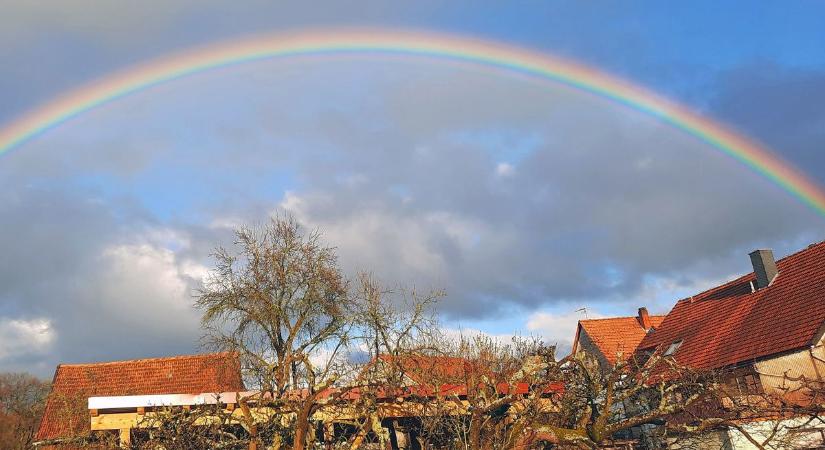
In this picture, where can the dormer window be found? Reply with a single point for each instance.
(673, 347)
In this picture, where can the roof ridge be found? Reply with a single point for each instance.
(619, 317)
(808, 247)
(747, 275)
(719, 287)
(154, 359)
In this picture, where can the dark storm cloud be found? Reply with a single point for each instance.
(85, 280)
(602, 198)
(782, 107)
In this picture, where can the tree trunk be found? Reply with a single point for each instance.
(302, 427)
(475, 433)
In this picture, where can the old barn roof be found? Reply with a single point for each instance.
(66, 410)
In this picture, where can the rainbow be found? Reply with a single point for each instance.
(414, 44)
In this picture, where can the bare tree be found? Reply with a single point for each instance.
(306, 337)
(356, 363)
(518, 396)
(790, 414)
(277, 301)
(208, 426)
(22, 399)
(480, 393)
(392, 325)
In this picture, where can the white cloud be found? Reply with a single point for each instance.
(143, 280)
(505, 170)
(148, 285)
(396, 245)
(226, 223)
(559, 329)
(20, 337)
(457, 334)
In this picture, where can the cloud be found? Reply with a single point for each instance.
(558, 329)
(148, 286)
(505, 169)
(510, 195)
(421, 245)
(20, 337)
(79, 285)
(604, 197)
(779, 105)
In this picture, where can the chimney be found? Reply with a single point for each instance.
(644, 318)
(764, 266)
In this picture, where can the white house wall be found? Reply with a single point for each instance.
(807, 363)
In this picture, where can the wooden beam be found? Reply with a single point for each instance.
(101, 420)
(125, 437)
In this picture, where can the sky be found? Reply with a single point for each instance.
(533, 205)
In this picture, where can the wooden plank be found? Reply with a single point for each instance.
(135, 401)
(141, 417)
(125, 437)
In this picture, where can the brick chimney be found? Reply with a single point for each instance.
(644, 318)
(764, 267)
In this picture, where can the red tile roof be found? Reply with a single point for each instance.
(615, 334)
(424, 369)
(729, 324)
(448, 375)
(66, 407)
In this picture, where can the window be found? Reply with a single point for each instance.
(673, 347)
(749, 384)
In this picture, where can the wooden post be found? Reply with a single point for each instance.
(125, 437)
(329, 435)
(402, 436)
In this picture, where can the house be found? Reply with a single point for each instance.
(763, 324)
(613, 338)
(765, 328)
(397, 378)
(67, 412)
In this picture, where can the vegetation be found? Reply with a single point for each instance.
(350, 363)
(22, 399)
